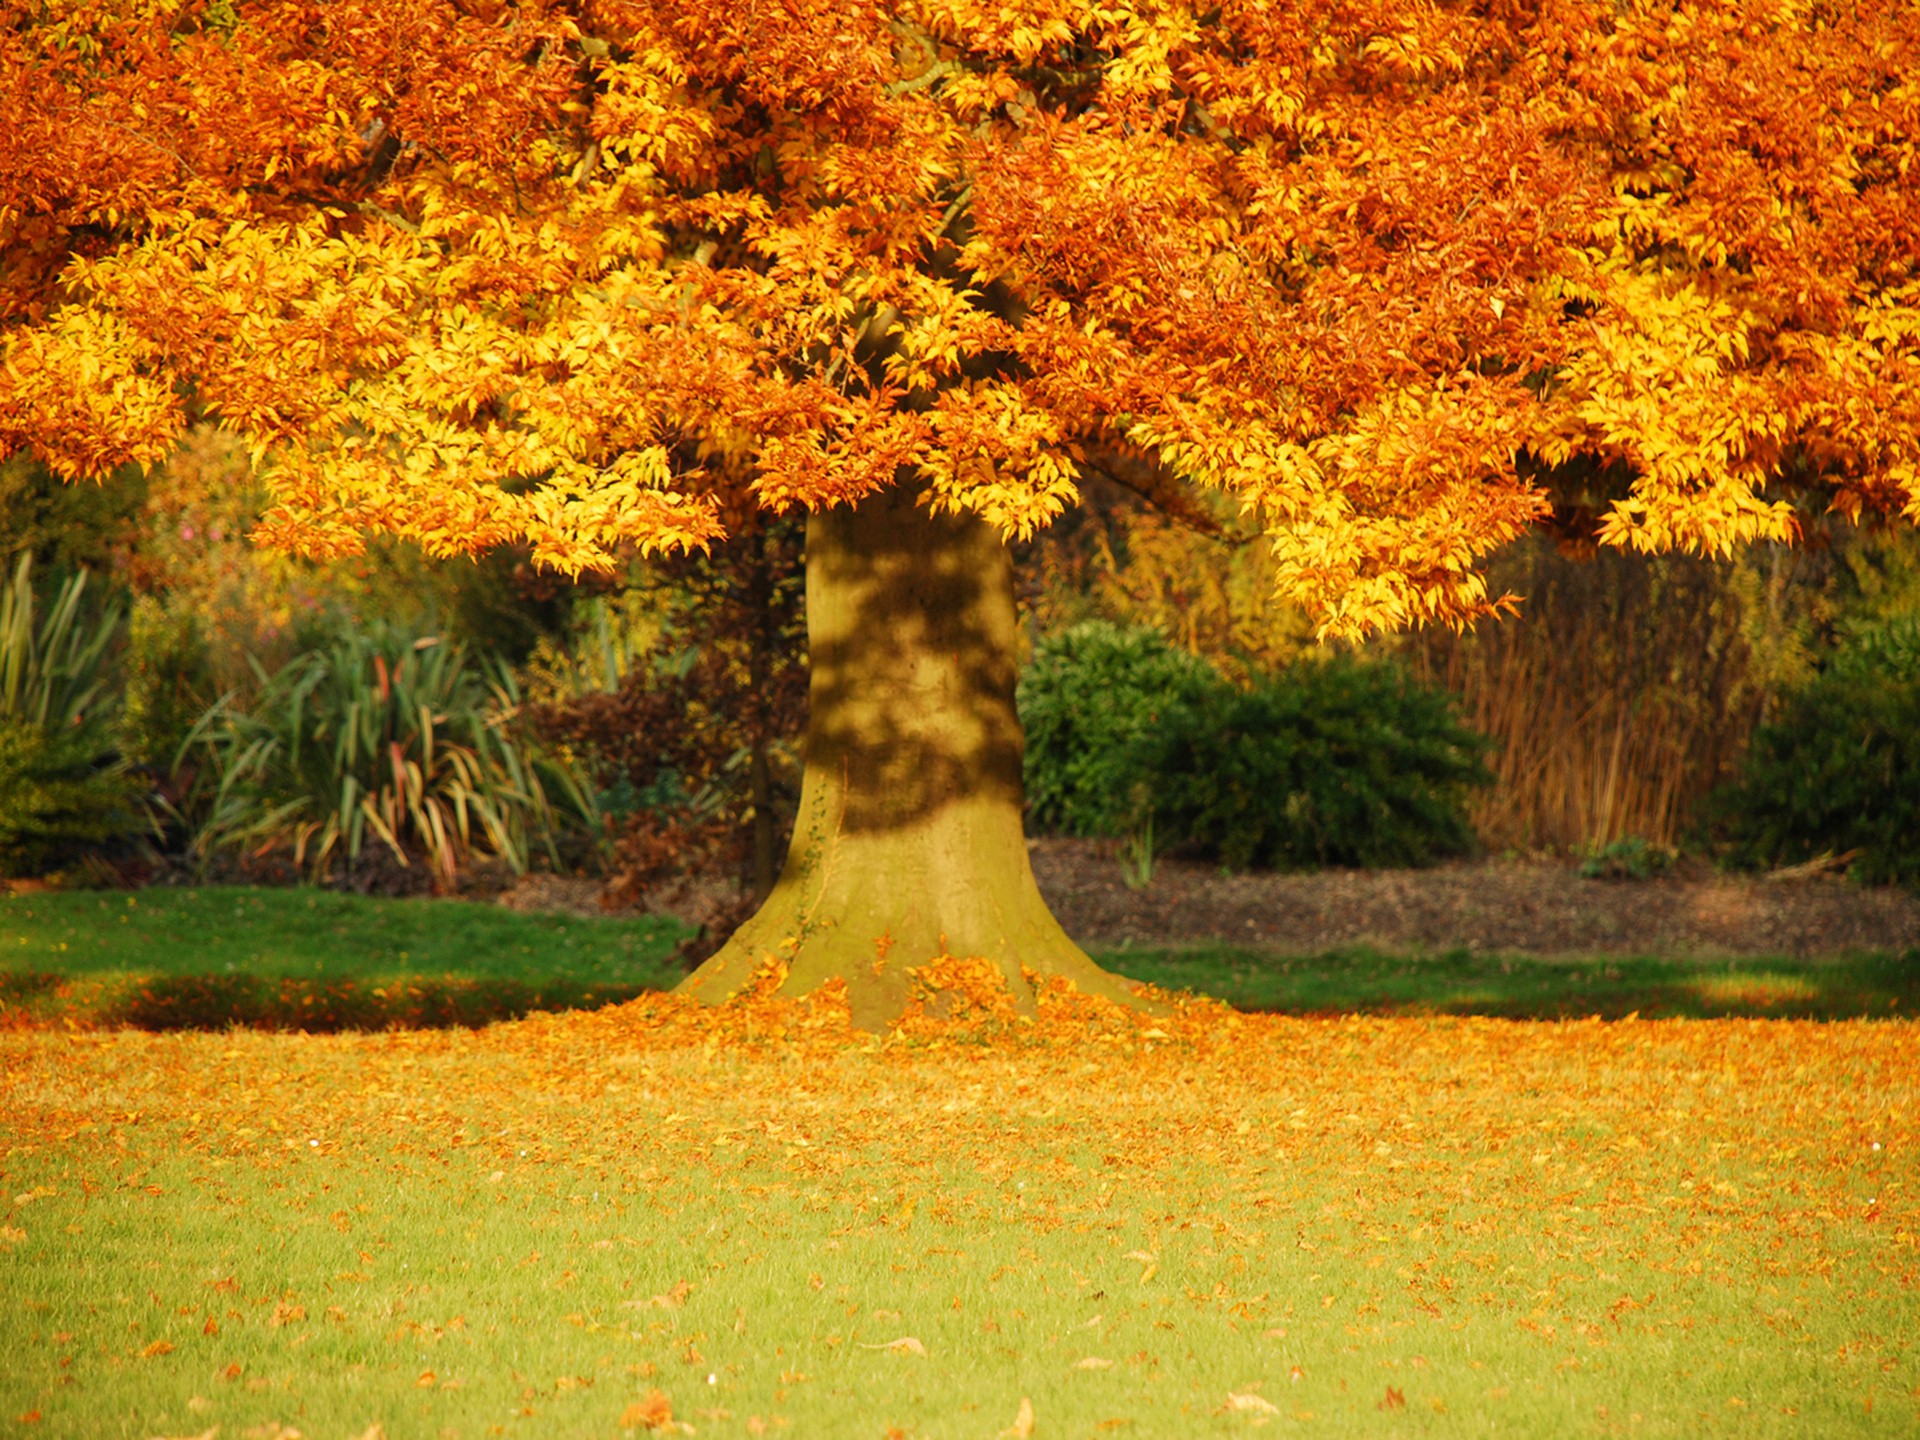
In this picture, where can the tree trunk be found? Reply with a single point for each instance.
(908, 843)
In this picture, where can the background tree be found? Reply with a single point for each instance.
(484, 273)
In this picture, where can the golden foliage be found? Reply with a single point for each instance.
(477, 274)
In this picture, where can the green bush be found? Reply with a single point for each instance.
(391, 742)
(64, 788)
(1329, 762)
(1838, 769)
(1088, 699)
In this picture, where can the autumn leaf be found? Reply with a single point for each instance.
(11, 1235)
(905, 1345)
(1022, 1427)
(158, 1347)
(1249, 1403)
(1093, 1362)
(1392, 1400)
(653, 1411)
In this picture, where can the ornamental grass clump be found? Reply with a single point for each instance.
(385, 744)
(65, 789)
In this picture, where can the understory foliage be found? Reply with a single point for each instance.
(1329, 761)
(694, 743)
(384, 741)
(65, 789)
(1617, 699)
(1836, 771)
(1089, 699)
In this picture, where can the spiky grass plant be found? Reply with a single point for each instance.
(380, 740)
(64, 787)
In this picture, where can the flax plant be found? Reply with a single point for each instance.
(380, 741)
(64, 787)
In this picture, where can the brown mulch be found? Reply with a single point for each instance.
(1531, 907)
(1534, 907)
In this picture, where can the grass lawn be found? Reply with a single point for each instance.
(292, 959)
(301, 957)
(1208, 1224)
(1460, 982)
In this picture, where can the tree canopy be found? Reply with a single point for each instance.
(582, 274)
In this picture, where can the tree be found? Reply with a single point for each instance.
(474, 271)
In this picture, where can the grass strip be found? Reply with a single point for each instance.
(1461, 982)
(298, 959)
(301, 959)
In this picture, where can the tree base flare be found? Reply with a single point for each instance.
(907, 848)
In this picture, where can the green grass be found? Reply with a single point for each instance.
(301, 958)
(305, 958)
(1460, 982)
(1524, 1230)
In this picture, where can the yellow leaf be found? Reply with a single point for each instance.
(1022, 1427)
(1252, 1404)
(905, 1345)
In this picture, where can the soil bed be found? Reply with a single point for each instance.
(1543, 908)
(1533, 907)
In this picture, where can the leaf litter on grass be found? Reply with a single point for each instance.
(736, 1219)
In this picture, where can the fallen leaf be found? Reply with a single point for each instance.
(212, 1327)
(158, 1347)
(375, 1431)
(27, 1417)
(271, 1430)
(1093, 1362)
(12, 1234)
(1393, 1400)
(286, 1313)
(905, 1345)
(654, 1412)
(425, 1380)
(1252, 1404)
(1022, 1427)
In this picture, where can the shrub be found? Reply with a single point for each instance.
(64, 788)
(388, 740)
(1838, 769)
(1633, 857)
(1089, 698)
(1328, 762)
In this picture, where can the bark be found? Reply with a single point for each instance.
(908, 843)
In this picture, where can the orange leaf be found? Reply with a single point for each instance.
(158, 1347)
(653, 1412)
